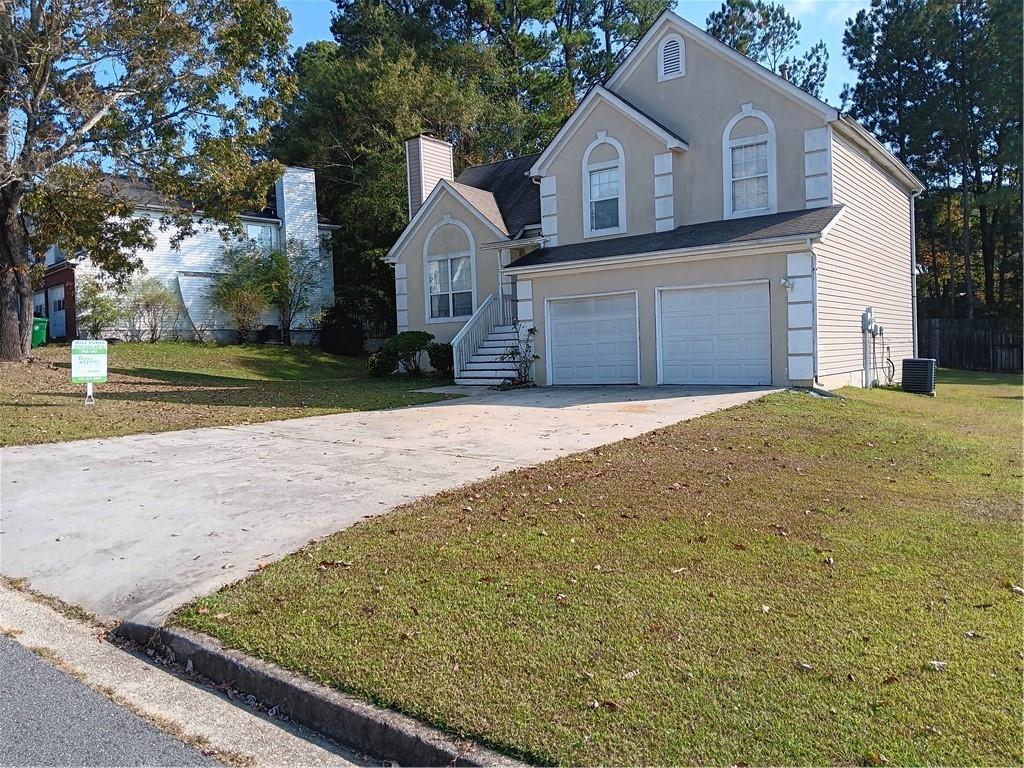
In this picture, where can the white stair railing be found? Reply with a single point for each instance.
(468, 340)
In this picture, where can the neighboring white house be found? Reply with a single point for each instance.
(697, 220)
(290, 213)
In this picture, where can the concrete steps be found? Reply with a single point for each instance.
(486, 367)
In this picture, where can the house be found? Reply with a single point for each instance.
(290, 213)
(698, 220)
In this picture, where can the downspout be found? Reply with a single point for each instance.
(913, 265)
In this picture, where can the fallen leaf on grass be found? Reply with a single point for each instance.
(324, 565)
(803, 666)
(202, 610)
(877, 758)
(1017, 590)
(936, 666)
(739, 547)
(221, 615)
(606, 704)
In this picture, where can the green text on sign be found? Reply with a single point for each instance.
(88, 362)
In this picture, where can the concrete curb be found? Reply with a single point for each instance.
(357, 724)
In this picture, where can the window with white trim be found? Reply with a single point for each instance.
(671, 58)
(750, 176)
(450, 283)
(261, 234)
(604, 198)
(749, 183)
(604, 185)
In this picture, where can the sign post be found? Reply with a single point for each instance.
(89, 365)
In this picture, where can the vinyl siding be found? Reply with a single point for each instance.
(863, 261)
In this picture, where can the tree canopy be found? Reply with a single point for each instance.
(939, 81)
(768, 34)
(178, 92)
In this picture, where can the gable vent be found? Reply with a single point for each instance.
(670, 60)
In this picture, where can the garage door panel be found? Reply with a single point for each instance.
(716, 335)
(594, 340)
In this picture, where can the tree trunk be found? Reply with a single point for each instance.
(968, 282)
(15, 282)
(988, 250)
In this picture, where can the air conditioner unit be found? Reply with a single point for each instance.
(919, 375)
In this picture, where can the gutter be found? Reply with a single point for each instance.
(913, 268)
(708, 251)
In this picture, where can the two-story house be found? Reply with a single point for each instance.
(186, 268)
(698, 220)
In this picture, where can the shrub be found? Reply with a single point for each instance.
(150, 310)
(97, 309)
(408, 348)
(240, 288)
(382, 363)
(291, 274)
(442, 358)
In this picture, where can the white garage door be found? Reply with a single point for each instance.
(716, 335)
(593, 340)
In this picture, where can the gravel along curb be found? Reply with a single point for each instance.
(357, 724)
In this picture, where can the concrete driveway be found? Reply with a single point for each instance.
(133, 527)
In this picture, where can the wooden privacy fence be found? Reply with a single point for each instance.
(972, 345)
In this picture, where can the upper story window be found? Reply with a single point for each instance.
(671, 58)
(604, 199)
(448, 271)
(261, 234)
(604, 185)
(748, 164)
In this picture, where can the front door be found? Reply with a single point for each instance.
(58, 327)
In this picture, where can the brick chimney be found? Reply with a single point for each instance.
(427, 161)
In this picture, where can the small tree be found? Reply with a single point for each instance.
(292, 275)
(150, 309)
(97, 308)
(240, 288)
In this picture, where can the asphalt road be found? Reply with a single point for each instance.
(49, 718)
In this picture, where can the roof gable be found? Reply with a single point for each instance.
(601, 95)
(442, 190)
(695, 34)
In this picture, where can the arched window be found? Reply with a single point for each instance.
(748, 164)
(449, 271)
(604, 184)
(671, 58)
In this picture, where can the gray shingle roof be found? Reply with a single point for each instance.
(484, 202)
(803, 223)
(140, 192)
(515, 194)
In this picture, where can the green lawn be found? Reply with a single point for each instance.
(164, 386)
(766, 585)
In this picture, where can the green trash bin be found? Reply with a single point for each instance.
(39, 331)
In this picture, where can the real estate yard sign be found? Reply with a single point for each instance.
(88, 365)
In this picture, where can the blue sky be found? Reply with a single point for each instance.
(821, 20)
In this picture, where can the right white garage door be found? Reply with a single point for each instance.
(716, 335)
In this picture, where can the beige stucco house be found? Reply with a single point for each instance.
(698, 220)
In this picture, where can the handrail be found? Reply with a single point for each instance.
(469, 338)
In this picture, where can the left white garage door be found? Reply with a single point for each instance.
(593, 340)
